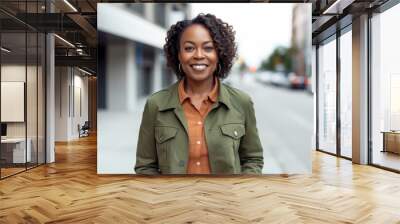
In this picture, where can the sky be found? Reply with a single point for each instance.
(260, 27)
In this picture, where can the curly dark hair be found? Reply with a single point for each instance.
(222, 34)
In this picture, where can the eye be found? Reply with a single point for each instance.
(209, 48)
(188, 48)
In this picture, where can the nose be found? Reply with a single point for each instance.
(199, 54)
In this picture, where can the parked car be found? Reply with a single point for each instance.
(298, 81)
(264, 77)
(279, 79)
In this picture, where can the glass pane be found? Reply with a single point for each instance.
(313, 86)
(346, 94)
(386, 89)
(31, 98)
(32, 91)
(13, 87)
(41, 98)
(327, 97)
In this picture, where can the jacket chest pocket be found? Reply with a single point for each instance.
(164, 139)
(233, 134)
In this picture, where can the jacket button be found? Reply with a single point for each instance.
(235, 133)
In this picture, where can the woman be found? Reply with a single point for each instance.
(199, 125)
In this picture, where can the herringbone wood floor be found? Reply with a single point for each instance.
(70, 191)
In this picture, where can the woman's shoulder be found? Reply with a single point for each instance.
(236, 95)
(240, 100)
(162, 95)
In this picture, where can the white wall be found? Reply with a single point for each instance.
(15, 72)
(70, 83)
(80, 94)
(61, 103)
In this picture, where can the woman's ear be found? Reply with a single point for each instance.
(217, 69)
(179, 57)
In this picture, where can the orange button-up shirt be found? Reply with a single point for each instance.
(198, 152)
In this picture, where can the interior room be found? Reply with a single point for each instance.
(53, 84)
(22, 101)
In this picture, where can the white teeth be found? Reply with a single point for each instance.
(199, 67)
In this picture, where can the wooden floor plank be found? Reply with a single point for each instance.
(70, 191)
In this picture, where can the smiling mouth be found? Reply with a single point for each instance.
(199, 67)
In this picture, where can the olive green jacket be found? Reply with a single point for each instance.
(230, 131)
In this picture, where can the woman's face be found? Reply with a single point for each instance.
(197, 54)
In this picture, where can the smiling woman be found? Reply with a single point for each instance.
(198, 57)
(199, 125)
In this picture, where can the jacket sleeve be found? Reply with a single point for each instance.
(250, 149)
(146, 152)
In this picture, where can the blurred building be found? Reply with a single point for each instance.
(131, 66)
(301, 39)
(120, 45)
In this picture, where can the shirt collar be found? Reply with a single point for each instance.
(171, 98)
(212, 96)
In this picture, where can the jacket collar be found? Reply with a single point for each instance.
(172, 99)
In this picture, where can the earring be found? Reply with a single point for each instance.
(179, 68)
(219, 68)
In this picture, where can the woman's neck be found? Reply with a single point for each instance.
(199, 89)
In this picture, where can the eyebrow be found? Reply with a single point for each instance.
(191, 42)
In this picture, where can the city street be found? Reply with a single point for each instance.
(285, 124)
(284, 121)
